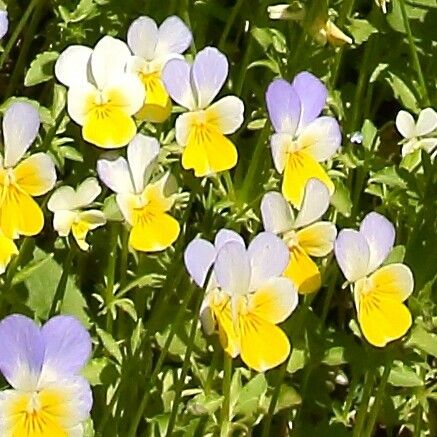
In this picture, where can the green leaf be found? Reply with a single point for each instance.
(403, 376)
(30, 269)
(296, 361)
(71, 153)
(111, 210)
(251, 395)
(334, 356)
(341, 199)
(257, 124)
(396, 255)
(389, 176)
(423, 340)
(360, 30)
(403, 92)
(41, 68)
(288, 397)
(110, 344)
(369, 132)
(205, 404)
(267, 63)
(94, 369)
(268, 37)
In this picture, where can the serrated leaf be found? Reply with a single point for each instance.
(41, 68)
(110, 345)
(71, 153)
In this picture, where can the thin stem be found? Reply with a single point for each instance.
(362, 411)
(124, 255)
(110, 273)
(229, 185)
(414, 55)
(229, 23)
(226, 387)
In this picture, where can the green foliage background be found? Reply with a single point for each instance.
(153, 371)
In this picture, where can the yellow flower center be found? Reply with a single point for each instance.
(290, 239)
(7, 177)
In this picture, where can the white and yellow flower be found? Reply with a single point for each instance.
(68, 205)
(304, 234)
(22, 179)
(102, 96)
(153, 47)
(201, 131)
(144, 205)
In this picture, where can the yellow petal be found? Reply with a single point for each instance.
(152, 233)
(208, 151)
(7, 250)
(157, 106)
(109, 127)
(303, 271)
(301, 167)
(317, 239)
(263, 344)
(19, 213)
(80, 231)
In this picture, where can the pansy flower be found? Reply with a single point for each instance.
(379, 292)
(302, 139)
(247, 296)
(22, 179)
(153, 47)
(102, 96)
(420, 134)
(70, 215)
(144, 205)
(48, 395)
(303, 233)
(201, 131)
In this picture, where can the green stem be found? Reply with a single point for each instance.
(185, 367)
(378, 399)
(226, 387)
(110, 273)
(62, 284)
(229, 23)
(124, 256)
(328, 296)
(362, 411)
(229, 185)
(17, 31)
(414, 55)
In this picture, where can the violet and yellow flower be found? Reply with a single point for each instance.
(49, 397)
(102, 96)
(246, 296)
(303, 233)
(144, 205)
(70, 215)
(22, 179)
(302, 138)
(201, 131)
(379, 292)
(153, 47)
(417, 135)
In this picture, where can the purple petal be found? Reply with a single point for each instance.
(4, 23)
(173, 36)
(209, 72)
(283, 105)
(224, 236)
(199, 257)
(268, 256)
(312, 94)
(21, 351)
(67, 348)
(380, 236)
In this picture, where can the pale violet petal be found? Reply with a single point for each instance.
(208, 74)
(405, 124)
(4, 23)
(20, 127)
(87, 192)
(268, 256)
(283, 106)
(73, 65)
(199, 256)
(224, 236)
(142, 37)
(279, 144)
(276, 213)
(427, 122)
(174, 37)
(115, 174)
(227, 113)
(352, 253)
(380, 236)
(315, 203)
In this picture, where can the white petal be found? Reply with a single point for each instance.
(93, 217)
(427, 144)
(321, 138)
(173, 37)
(276, 213)
(268, 256)
(141, 153)
(199, 257)
(20, 127)
(315, 203)
(279, 144)
(79, 100)
(114, 173)
(72, 66)
(405, 124)
(182, 128)
(142, 37)
(63, 221)
(224, 236)
(64, 198)
(232, 269)
(352, 254)
(108, 60)
(125, 202)
(318, 238)
(380, 236)
(426, 122)
(208, 73)
(129, 90)
(227, 114)
(87, 192)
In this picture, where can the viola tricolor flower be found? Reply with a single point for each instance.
(153, 47)
(68, 205)
(304, 234)
(21, 181)
(102, 96)
(379, 292)
(201, 131)
(144, 205)
(246, 297)
(48, 395)
(302, 139)
(420, 134)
